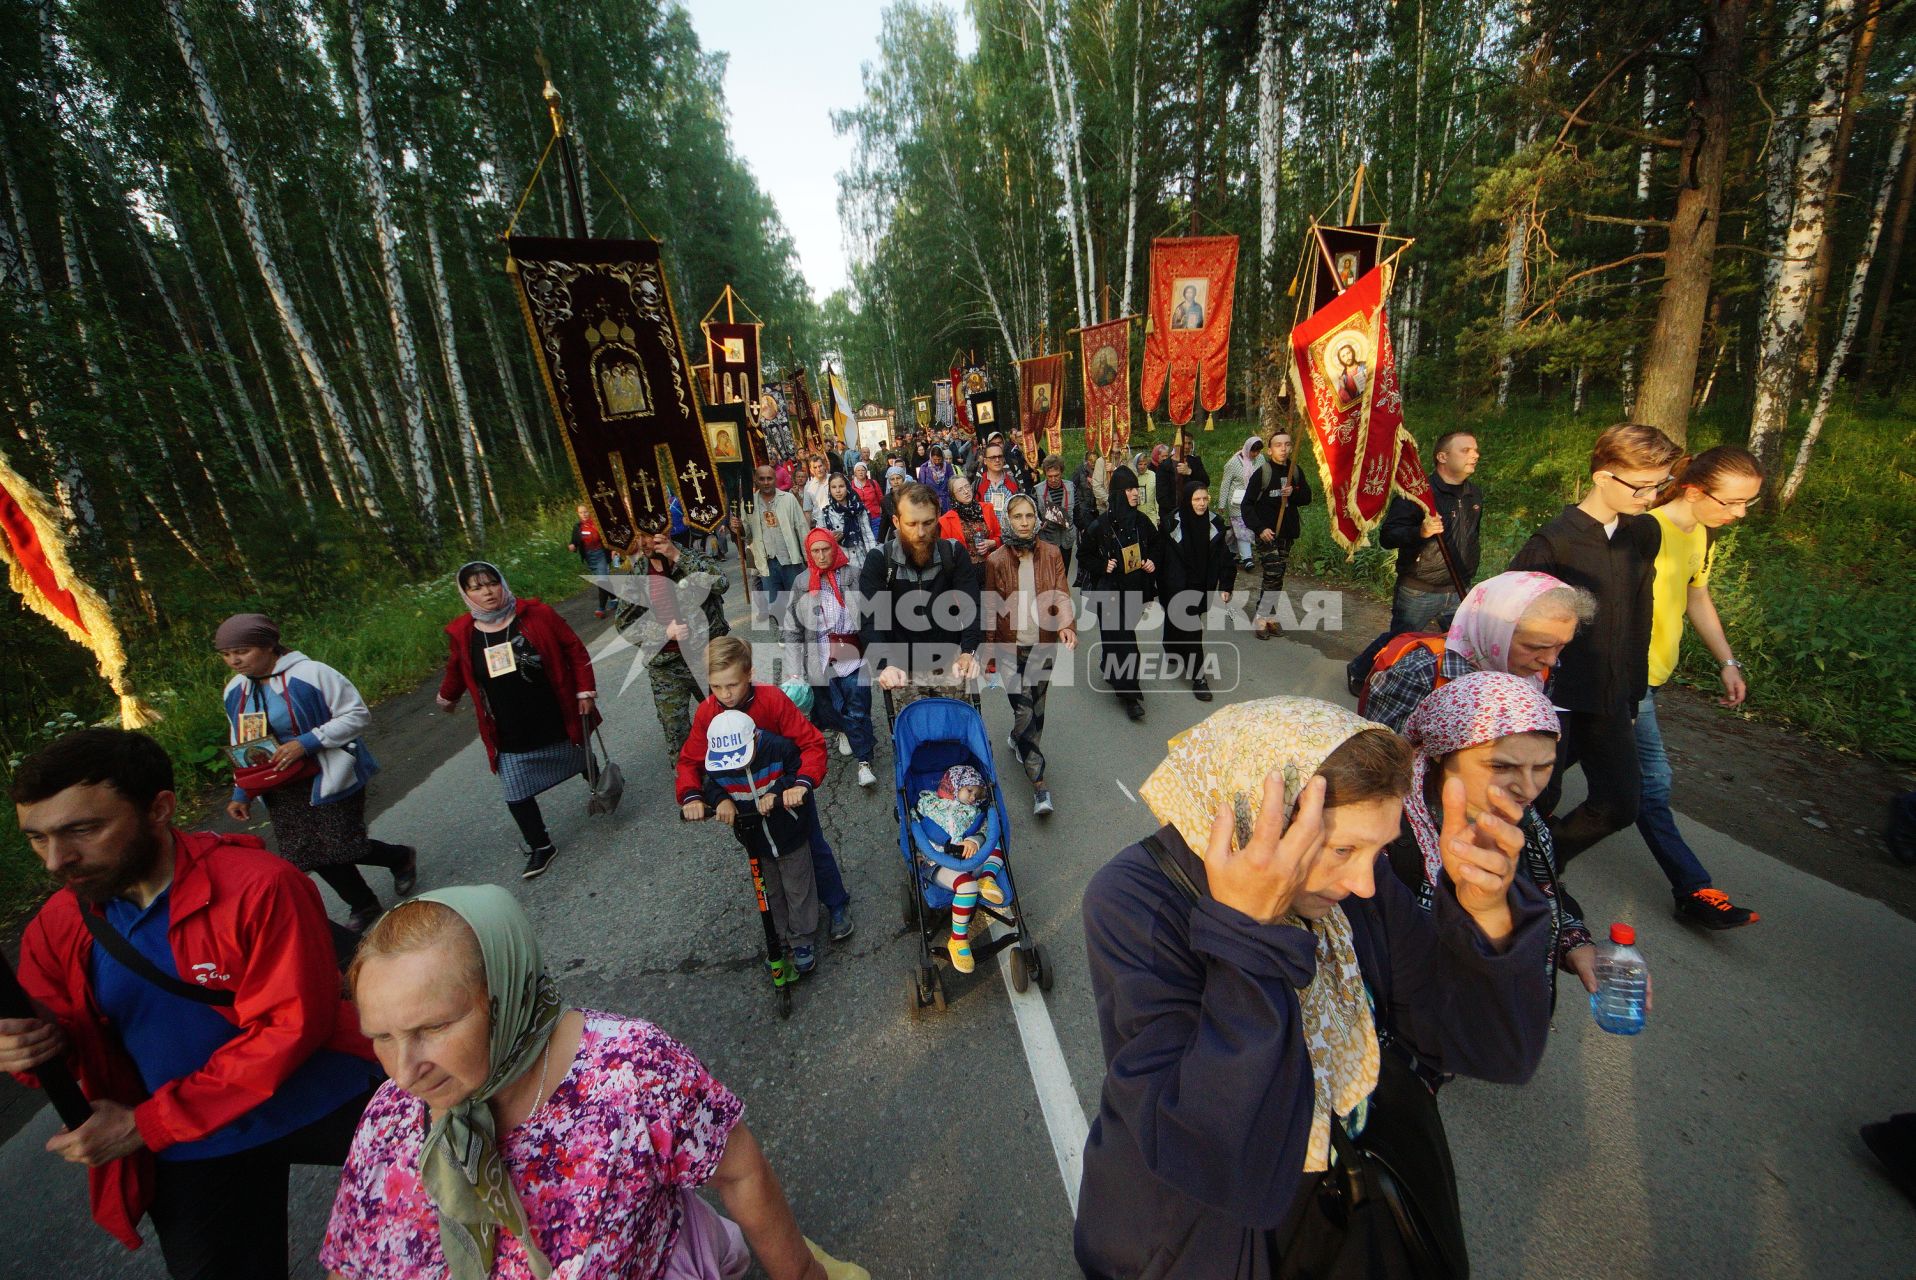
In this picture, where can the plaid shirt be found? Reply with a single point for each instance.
(1395, 692)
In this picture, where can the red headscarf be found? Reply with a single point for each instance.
(829, 574)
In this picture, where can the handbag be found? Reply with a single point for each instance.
(257, 779)
(604, 780)
(1395, 1178)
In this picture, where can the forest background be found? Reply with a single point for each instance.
(256, 342)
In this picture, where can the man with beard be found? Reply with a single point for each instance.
(189, 981)
(774, 530)
(919, 620)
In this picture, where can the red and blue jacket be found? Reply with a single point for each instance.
(774, 768)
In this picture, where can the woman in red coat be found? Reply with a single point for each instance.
(970, 521)
(532, 688)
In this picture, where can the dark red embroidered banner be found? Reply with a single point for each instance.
(608, 346)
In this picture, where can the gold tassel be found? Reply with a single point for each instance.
(1210, 423)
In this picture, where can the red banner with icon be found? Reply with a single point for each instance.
(1041, 404)
(1104, 367)
(1345, 376)
(1188, 325)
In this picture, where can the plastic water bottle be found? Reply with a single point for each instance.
(1623, 983)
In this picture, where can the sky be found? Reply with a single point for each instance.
(793, 63)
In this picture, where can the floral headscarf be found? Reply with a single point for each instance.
(1224, 760)
(1487, 619)
(1469, 711)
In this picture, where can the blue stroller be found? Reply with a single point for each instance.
(928, 737)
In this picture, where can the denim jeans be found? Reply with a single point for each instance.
(845, 706)
(1419, 610)
(831, 885)
(598, 563)
(1655, 822)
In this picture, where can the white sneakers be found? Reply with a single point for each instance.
(844, 745)
(865, 775)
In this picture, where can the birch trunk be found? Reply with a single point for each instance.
(248, 410)
(1516, 246)
(1270, 142)
(1853, 304)
(1785, 310)
(1839, 163)
(388, 441)
(1645, 158)
(472, 450)
(1077, 163)
(411, 404)
(1131, 181)
(508, 383)
(1061, 138)
(1780, 159)
(1689, 254)
(214, 121)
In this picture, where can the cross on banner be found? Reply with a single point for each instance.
(692, 474)
(643, 481)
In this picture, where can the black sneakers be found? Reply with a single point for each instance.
(1134, 707)
(1712, 909)
(1201, 689)
(406, 877)
(537, 861)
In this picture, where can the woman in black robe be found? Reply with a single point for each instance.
(1121, 570)
(1194, 559)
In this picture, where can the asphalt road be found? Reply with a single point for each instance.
(1721, 1142)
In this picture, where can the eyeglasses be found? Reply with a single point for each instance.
(1739, 505)
(1642, 490)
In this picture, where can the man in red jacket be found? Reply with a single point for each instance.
(728, 668)
(189, 982)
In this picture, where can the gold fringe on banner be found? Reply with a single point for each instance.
(40, 573)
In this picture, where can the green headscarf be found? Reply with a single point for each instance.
(461, 1165)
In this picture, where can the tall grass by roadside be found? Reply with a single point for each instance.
(1819, 599)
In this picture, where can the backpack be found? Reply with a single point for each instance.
(1393, 652)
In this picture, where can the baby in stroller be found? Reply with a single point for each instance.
(957, 808)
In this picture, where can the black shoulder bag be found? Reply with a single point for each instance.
(1395, 1177)
(116, 945)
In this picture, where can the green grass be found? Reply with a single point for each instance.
(385, 638)
(1818, 598)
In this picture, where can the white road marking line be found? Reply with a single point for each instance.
(1127, 791)
(1057, 1096)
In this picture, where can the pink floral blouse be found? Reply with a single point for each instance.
(599, 1167)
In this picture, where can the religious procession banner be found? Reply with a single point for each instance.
(1346, 256)
(43, 578)
(1105, 369)
(840, 417)
(804, 415)
(734, 358)
(1188, 326)
(1344, 375)
(968, 383)
(921, 411)
(614, 366)
(774, 419)
(1041, 404)
(943, 411)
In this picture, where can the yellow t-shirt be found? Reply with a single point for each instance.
(1682, 562)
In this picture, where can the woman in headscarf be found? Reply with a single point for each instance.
(970, 520)
(532, 690)
(1028, 614)
(870, 494)
(1119, 573)
(1238, 471)
(1271, 501)
(1145, 467)
(1516, 623)
(896, 478)
(1254, 976)
(937, 473)
(845, 515)
(1484, 729)
(820, 635)
(308, 719)
(1194, 559)
(518, 1137)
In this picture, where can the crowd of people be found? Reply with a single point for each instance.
(1340, 910)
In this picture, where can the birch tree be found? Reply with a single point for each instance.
(220, 139)
(411, 401)
(1785, 311)
(1853, 301)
